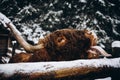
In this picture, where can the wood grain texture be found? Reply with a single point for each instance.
(56, 70)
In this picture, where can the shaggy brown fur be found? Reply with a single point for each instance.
(65, 44)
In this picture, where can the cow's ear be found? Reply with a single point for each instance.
(92, 36)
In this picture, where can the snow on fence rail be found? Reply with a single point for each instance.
(56, 69)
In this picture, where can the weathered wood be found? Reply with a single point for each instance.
(17, 35)
(56, 70)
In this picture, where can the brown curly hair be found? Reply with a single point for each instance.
(64, 44)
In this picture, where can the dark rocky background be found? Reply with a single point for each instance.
(35, 18)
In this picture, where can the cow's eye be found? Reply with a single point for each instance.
(59, 39)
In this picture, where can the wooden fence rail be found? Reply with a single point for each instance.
(56, 70)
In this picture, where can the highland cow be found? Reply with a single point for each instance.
(60, 45)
